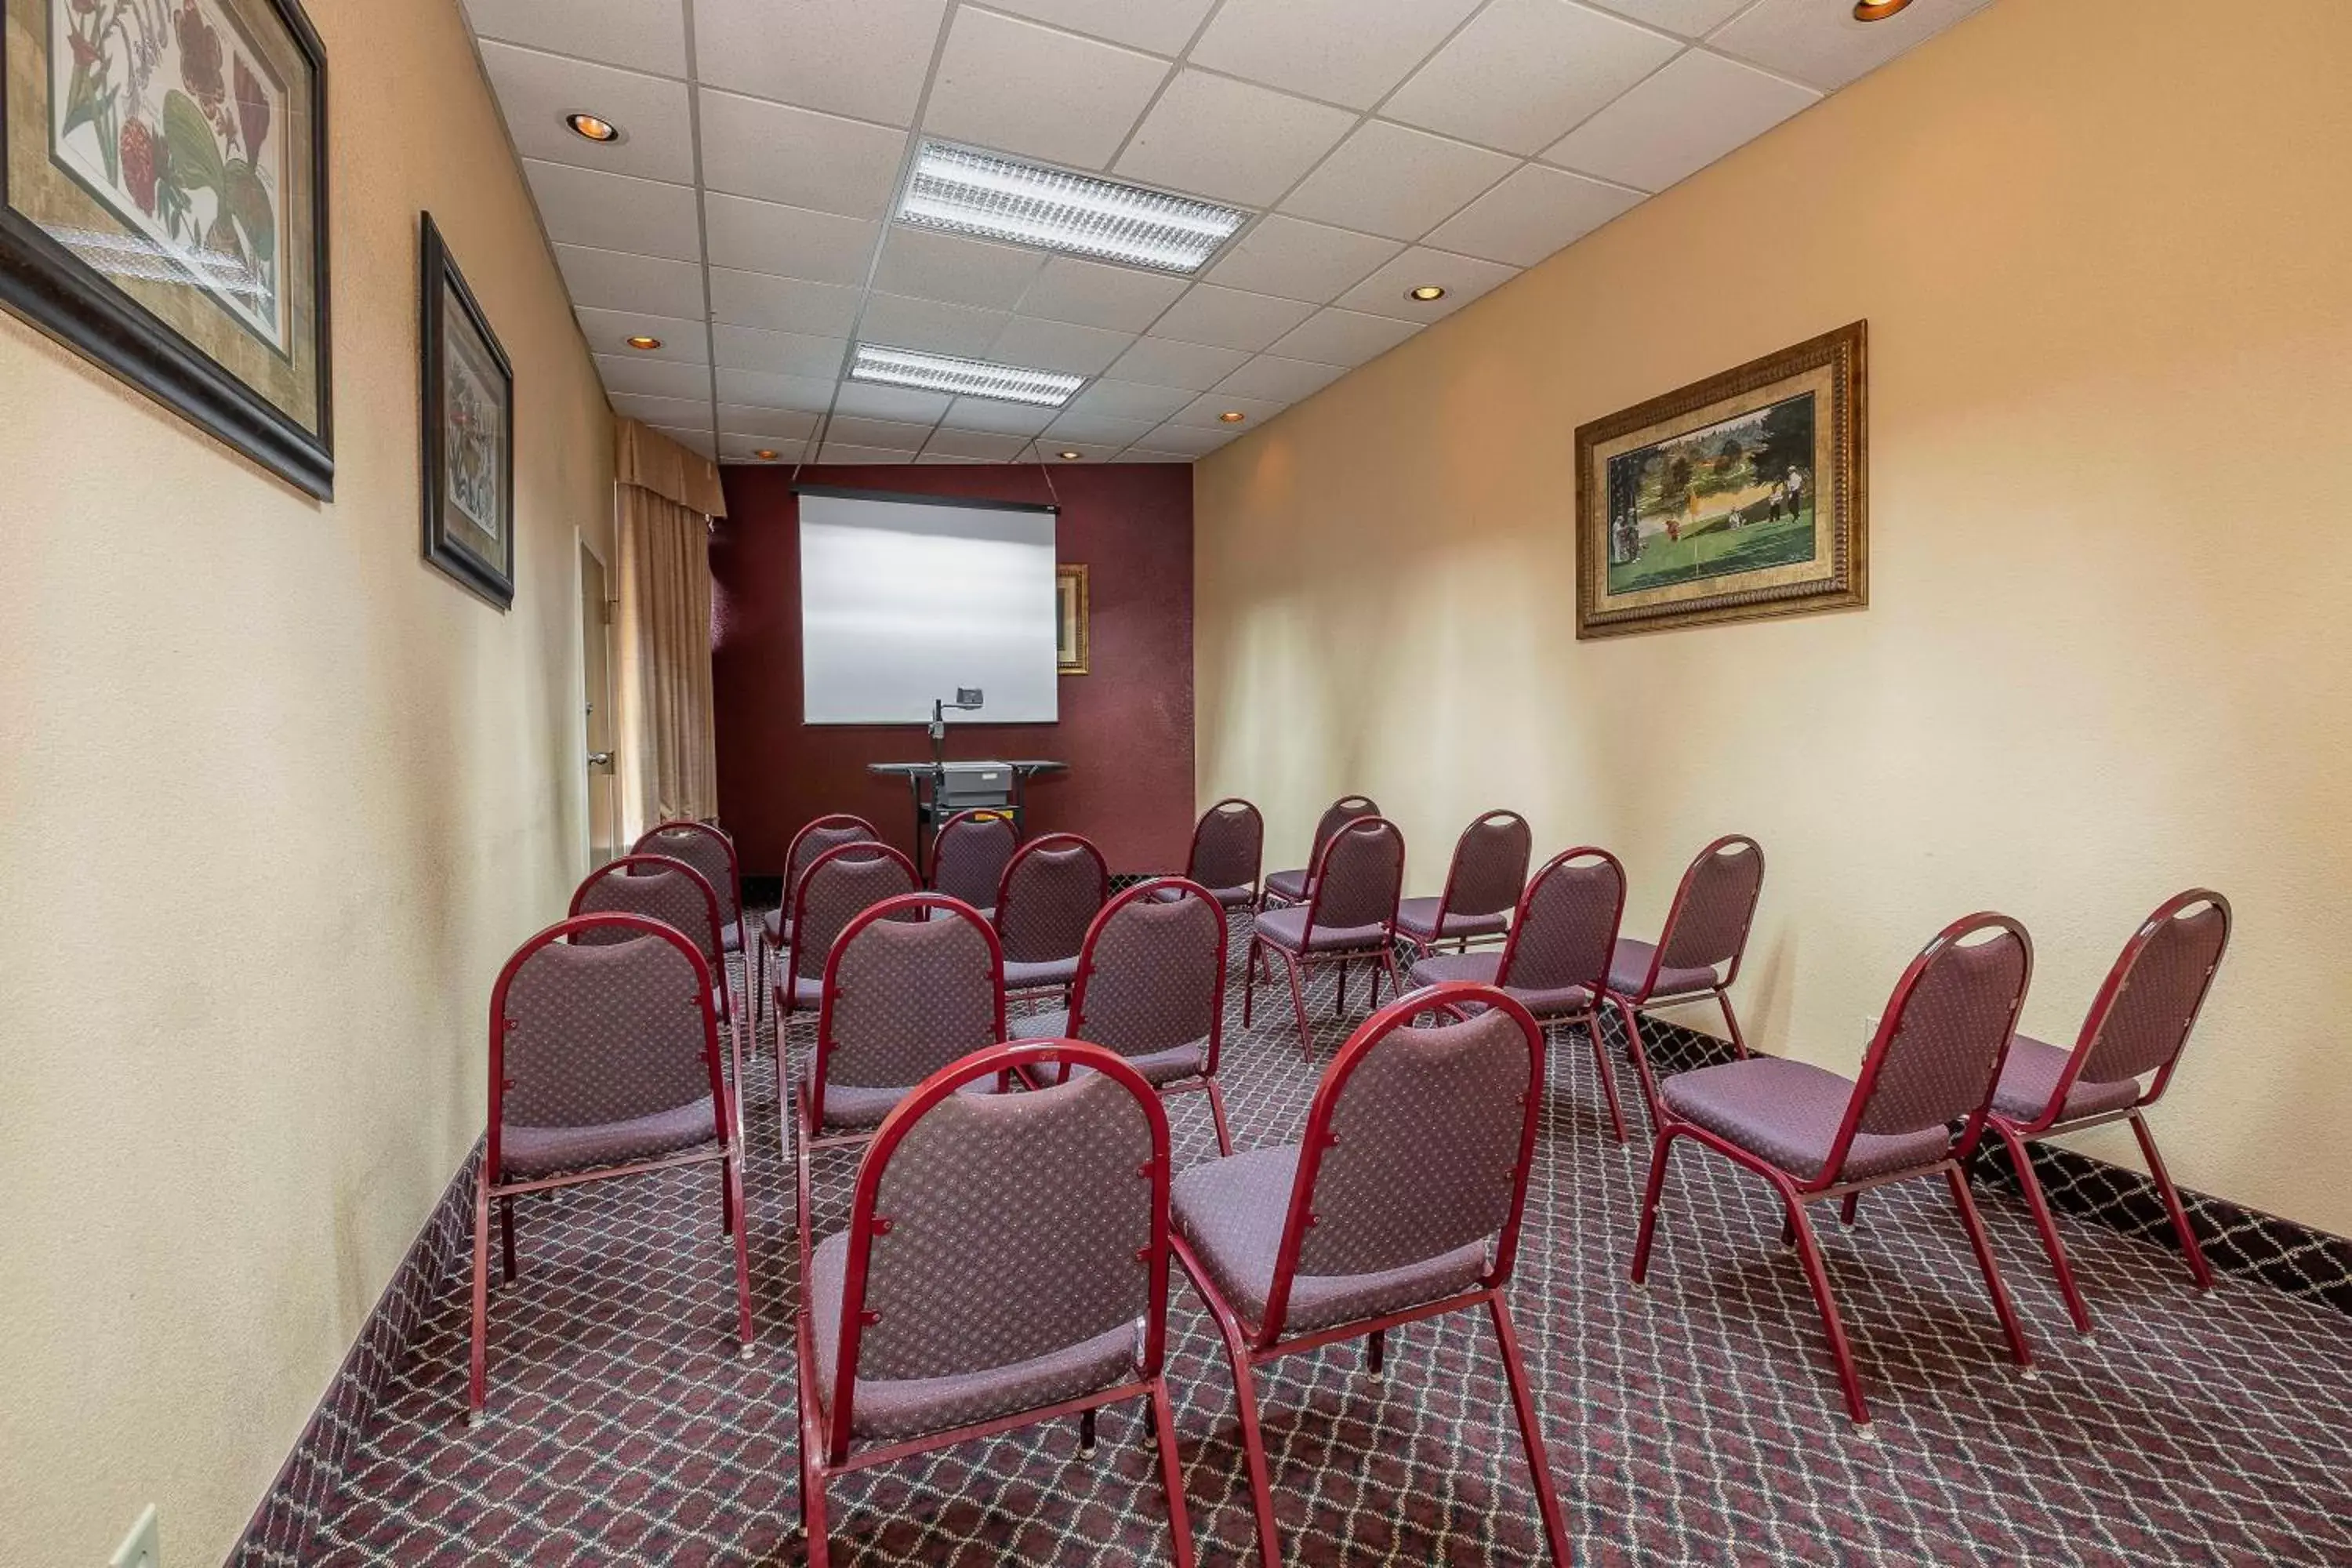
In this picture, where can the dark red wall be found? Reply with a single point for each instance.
(1126, 728)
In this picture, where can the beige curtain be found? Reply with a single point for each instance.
(666, 498)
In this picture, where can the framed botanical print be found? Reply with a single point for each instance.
(1071, 649)
(467, 413)
(1742, 496)
(163, 209)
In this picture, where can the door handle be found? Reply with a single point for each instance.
(600, 759)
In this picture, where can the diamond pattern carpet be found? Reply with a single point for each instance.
(1696, 1421)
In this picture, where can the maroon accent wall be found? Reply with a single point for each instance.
(1126, 728)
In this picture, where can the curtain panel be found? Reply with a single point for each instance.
(667, 762)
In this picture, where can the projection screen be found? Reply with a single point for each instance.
(905, 599)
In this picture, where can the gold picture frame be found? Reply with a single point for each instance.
(1072, 644)
(1736, 497)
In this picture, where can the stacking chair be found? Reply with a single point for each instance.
(678, 895)
(1349, 913)
(2138, 1023)
(1228, 849)
(1050, 891)
(1006, 1263)
(1558, 950)
(1402, 1202)
(813, 840)
(1151, 987)
(603, 1063)
(838, 883)
(969, 856)
(1816, 1135)
(1482, 886)
(1292, 887)
(710, 851)
(1697, 956)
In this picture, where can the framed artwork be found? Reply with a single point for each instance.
(162, 209)
(1071, 647)
(1742, 496)
(467, 423)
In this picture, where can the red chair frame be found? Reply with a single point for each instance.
(1004, 882)
(487, 1187)
(1193, 854)
(1248, 1349)
(825, 1445)
(784, 896)
(619, 865)
(1295, 964)
(1445, 898)
(1796, 1194)
(2016, 1135)
(1629, 1005)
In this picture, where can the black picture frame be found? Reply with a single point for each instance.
(56, 292)
(447, 546)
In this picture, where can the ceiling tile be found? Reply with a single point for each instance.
(614, 212)
(654, 378)
(1210, 407)
(766, 425)
(995, 415)
(536, 91)
(616, 280)
(1464, 278)
(974, 446)
(760, 389)
(1092, 294)
(1280, 380)
(1163, 26)
(798, 156)
(844, 452)
(793, 242)
(643, 38)
(784, 304)
(1824, 44)
(1130, 399)
(1344, 338)
(1019, 88)
(1691, 19)
(1160, 361)
(930, 326)
(608, 331)
(864, 58)
(692, 440)
(1392, 179)
(1096, 427)
(1525, 71)
(777, 354)
(944, 459)
(931, 265)
(1230, 318)
(1182, 443)
(1229, 139)
(1531, 214)
(679, 411)
(1058, 345)
(1299, 260)
(895, 435)
(1051, 450)
(1342, 51)
(871, 402)
(1680, 121)
(741, 448)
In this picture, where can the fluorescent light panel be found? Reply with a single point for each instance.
(973, 192)
(963, 378)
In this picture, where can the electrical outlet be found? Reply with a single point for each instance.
(143, 1547)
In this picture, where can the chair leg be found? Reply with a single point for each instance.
(478, 1363)
(1817, 1274)
(1396, 982)
(1296, 969)
(1530, 1436)
(1608, 1078)
(1249, 976)
(1647, 1079)
(1087, 1439)
(813, 1520)
(1661, 1151)
(1171, 1473)
(2198, 1269)
(506, 1226)
(1375, 1353)
(2018, 1349)
(1731, 1022)
(1340, 996)
(1217, 1112)
(733, 1173)
(1846, 1209)
(1269, 1551)
(2038, 1205)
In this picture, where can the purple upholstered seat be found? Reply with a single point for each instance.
(1050, 893)
(1629, 969)
(2030, 1077)
(1698, 953)
(528, 1150)
(1480, 968)
(1287, 884)
(1482, 883)
(1288, 927)
(1418, 917)
(1349, 915)
(1788, 1112)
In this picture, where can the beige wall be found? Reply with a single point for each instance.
(278, 798)
(2105, 248)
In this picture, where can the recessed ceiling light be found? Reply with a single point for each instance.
(1068, 457)
(766, 454)
(963, 378)
(980, 193)
(1232, 416)
(642, 344)
(1426, 292)
(592, 128)
(1877, 10)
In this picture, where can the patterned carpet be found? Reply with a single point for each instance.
(1695, 1422)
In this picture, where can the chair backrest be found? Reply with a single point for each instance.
(969, 854)
(1051, 891)
(1348, 808)
(839, 884)
(1713, 908)
(1018, 1224)
(1419, 1141)
(1565, 931)
(813, 840)
(658, 888)
(2141, 1017)
(1944, 1036)
(913, 983)
(1228, 846)
(1152, 975)
(598, 1019)
(1359, 876)
(708, 850)
(1490, 866)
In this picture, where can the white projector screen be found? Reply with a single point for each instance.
(903, 600)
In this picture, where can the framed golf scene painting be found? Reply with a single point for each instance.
(1738, 497)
